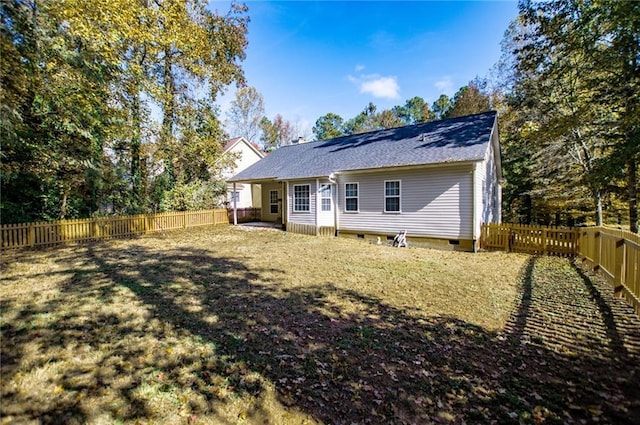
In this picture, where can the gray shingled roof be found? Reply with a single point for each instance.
(445, 141)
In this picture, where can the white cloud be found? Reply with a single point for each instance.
(383, 87)
(377, 85)
(445, 85)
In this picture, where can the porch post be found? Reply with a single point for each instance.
(235, 205)
(318, 201)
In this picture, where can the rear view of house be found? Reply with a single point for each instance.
(438, 181)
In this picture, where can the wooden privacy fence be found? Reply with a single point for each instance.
(561, 241)
(613, 253)
(616, 255)
(245, 214)
(31, 235)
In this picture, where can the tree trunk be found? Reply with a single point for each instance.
(135, 151)
(632, 187)
(168, 113)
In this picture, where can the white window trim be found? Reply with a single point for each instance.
(271, 203)
(350, 197)
(384, 192)
(293, 198)
(323, 197)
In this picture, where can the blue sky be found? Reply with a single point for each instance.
(310, 58)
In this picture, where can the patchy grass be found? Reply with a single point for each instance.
(223, 325)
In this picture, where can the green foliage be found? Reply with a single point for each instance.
(329, 126)
(470, 99)
(571, 84)
(78, 82)
(278, 133)
(197, 195)
(414, 111)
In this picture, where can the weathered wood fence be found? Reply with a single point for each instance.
(613, 253)
(31, 235)
(561, 241)
(245, 214)
(616, 255)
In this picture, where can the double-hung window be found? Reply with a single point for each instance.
(325, 197)
(392, 196)
(351, 197)
(301, 198)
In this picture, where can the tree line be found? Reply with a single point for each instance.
(109, 105)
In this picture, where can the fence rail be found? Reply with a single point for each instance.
(32, 235)
(560, 241)
(613, 253)
(616, 255)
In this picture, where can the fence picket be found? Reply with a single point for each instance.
(612, 252)
(42, 234)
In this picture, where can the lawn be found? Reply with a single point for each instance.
(224, 326)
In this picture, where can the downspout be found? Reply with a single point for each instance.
(235, 206)
(332, 180)
(285, 204)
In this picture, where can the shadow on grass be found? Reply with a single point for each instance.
(358, 360)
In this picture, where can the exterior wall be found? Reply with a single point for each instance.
(266, 202)
(487, 190)
(245, 156)
(302, 217)
(436, 202)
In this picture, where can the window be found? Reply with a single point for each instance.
(273, 202)
(392, 196)
(301, 198)
(351, 197)
(325, 197)
(233, 196)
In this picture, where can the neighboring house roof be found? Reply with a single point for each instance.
(452, 140)
(231, 143)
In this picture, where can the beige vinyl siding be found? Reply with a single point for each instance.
(436, 202)
(302, 217)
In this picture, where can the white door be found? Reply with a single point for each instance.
(326, 215)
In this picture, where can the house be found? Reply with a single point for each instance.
(438, 181)
(243, 154)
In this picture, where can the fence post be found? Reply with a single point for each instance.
(184, 219)
(32, 235)
(596, 250)
(618, 273)
(544, 241)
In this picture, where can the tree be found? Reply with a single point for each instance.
(275, 134)
(470, 99)
(329, 126)
(572, 128)
(79, 81)
(245, 114)
(441, 107)
(414, 111)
